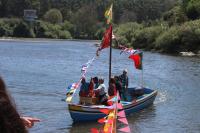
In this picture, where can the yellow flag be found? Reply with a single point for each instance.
(108, 14)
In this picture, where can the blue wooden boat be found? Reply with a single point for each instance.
(91, 113)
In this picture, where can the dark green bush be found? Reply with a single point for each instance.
(145, 38)
(193, 9)
(67, 26)
(125, 33)
(7, 26)
(169, 41)
(40, 29)
(23, 30)
(190, 36)
(175, 16)
(64, 35)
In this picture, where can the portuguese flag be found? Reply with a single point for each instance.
(137, 58)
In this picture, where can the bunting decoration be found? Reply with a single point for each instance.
(86, 66)
(108, 14)
(73, 87)
(129, 51)
(125, 129)
(110, 121)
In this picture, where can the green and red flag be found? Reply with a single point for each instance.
(137, 58)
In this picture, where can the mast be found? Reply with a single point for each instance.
(110, 57)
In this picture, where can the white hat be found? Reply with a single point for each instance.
(125, 70)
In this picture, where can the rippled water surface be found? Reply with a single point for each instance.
(37, 74)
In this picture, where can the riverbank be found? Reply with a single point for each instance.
(45, 39)
(96, 43)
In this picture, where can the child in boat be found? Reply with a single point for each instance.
(101, 92)
(84, 88)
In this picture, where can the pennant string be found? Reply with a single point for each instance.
(72, 90)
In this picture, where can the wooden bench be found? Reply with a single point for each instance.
(88, 100)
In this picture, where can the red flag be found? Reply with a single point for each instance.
(137, 58)
(106, 38)
(94, 130)
(125, 129)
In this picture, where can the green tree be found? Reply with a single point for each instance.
(175, 16)
(193, 9)
(53, 16)
(85, 26)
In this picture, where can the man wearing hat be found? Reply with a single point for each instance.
(124, 80)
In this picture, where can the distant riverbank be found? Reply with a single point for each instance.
(96, 43)
(45, 39)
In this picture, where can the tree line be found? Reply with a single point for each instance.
(86, 16)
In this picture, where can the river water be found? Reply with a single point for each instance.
(37, 73)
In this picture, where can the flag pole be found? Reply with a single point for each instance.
(142, 72)
(110, 57)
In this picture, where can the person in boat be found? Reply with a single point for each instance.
(10, 120)
(96, 82)
(84, 89)
(124, 80)
(112, 87)
(118, 85)
(101, 90)
(91, 88)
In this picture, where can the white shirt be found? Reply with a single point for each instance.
(102, 89)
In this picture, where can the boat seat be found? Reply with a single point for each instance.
(88, 100)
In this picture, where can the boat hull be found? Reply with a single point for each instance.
(92, 113)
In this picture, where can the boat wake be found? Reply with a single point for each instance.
(161, 97)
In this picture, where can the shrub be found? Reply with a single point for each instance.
(23, 30)
(175, 16)
(64, 35)
(126, 32)
(190, 36)
(8, 25)
(40, 29)
(193, 9)
(169, 41)
(67, 26)
(145, 38)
